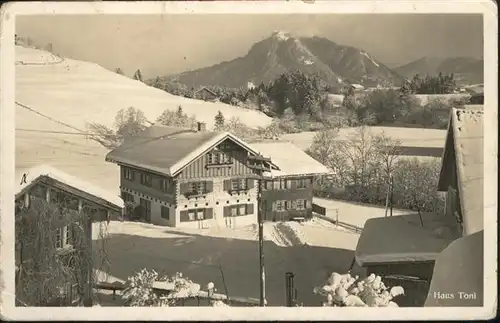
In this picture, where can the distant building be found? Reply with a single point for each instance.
(38, 188)
(353, 89)
(185, 178)
(205, 94)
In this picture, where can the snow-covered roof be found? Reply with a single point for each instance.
(402, 238)
(465, 139)
(357, 86)
(167, 150)
(290, 159)
(459, 268)
(37, 172)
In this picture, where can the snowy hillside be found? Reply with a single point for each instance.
(77, 92)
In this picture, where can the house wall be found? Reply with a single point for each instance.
(45, 191)
(291, 192)
(200, 168)
(216, 200)
(452, 201)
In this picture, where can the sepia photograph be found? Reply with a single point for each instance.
(268, 160)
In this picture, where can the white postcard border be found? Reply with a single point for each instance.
(7, 150)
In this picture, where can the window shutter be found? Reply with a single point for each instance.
(274, 208)
(227, 185)
(209, 213)
(307, 204)
(209, 186)
(250, 183)
(183, 216)
(288, 183)
(250, 209)
(183, 188)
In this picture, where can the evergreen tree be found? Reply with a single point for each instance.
(219, 121)
(138, 75)
(119, 71)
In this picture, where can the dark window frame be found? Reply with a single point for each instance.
(146, 179)
(128, 174)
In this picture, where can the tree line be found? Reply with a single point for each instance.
(362, 166)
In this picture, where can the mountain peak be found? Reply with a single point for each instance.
(281, 35)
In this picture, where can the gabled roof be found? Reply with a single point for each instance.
(290, 159)
(203, 88)
(464, 142)
(459, 268)
(167, 150)
(33, 175)
(402, 238)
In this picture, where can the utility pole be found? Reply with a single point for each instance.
(261, 245)
(387, 196)
(258, 163)
(391, 184)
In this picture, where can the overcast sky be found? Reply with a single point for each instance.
(166, 44)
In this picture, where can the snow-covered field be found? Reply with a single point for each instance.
(77, 92)
(310, 250)
(446, 98)
(355, 213)
(412, 137)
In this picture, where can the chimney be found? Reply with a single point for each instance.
(202, 126)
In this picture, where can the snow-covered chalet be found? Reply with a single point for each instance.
(67, 208)
(198, 178)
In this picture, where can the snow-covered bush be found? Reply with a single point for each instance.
(140, 289)
(345, 290)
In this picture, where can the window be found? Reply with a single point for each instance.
(300, 205)
(281, 184)
(200, 214)
(191, 215)
(146, 179)
(280, 206)
(198, 187)
(165, 212)
(63, 237)
(127, 197)
(302, 182)
(59, 238)
(238, 184)
(128, 174)
(165, 185)
(238, 210)
(269, 185)
(218, 157)
(68, 239)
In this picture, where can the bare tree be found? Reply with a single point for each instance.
(129, 122)
(387, 151)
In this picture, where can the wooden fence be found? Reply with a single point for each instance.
(201, 298)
